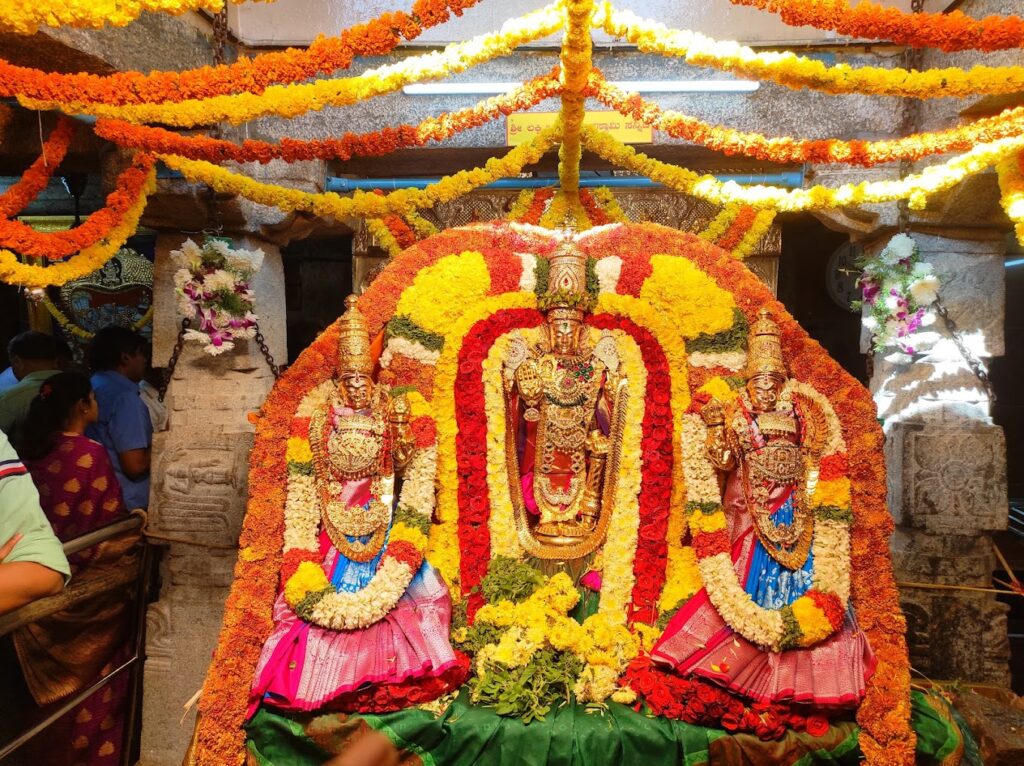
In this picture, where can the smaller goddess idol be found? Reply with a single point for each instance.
(773, 623)
(360, 609)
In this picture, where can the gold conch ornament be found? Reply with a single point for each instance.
(567, 295)
(353, 341)
(764, 348)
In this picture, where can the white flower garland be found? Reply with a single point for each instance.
(608, 270)
(353, 611)
(730, 360)
(397, 345)
(528, 279)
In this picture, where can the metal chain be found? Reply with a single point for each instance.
(262, 343)
(220, 35)
(175, 355)
(977, 366)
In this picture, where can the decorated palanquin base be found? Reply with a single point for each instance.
(443, 313)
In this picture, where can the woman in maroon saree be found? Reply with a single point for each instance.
(62, 654)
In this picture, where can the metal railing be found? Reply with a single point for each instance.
(80, 593)
(1016, 524)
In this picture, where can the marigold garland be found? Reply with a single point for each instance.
(1011, 184)
(792, 150)
(12, 271)
(26, 18)
(576, 62)
(915, 188)
(296, 99)
(952, 31)
(96, 229)
(38, 175)
(793, 71)
(373, 144)
(323, 57)
(366, 204)
(760, 226)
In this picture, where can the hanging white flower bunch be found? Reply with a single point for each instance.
(214, 290)
(898, 290)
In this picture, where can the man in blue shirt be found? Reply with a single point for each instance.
(118, 359)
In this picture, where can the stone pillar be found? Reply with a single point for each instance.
(947, 467)
(198, 496)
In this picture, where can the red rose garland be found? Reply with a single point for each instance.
(656, 470)
(387, 698)
(471, 446)
(704, 704)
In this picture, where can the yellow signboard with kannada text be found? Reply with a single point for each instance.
(522, 127)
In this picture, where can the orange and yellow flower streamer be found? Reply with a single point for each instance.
(95, 230)
(296, 99)
(324, 56)
(953, 31)
(915, 188)
(364, 204)
(793, 71)
(26, 18)
(13, 271)
(373, 144)
(794, 150)
(38, 175)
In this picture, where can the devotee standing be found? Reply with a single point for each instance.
(64, 653)
(33, 358)
(118, 360)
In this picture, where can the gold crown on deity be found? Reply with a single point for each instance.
(567, 296)
(353, 341)
(764, 348)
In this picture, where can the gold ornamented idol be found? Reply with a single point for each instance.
(370, 440)
(760, 437)
(565, 402)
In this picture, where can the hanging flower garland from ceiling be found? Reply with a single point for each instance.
(373, 144)
(26, 18)
(953, 31)
(293, 100)
(792, 71)
(323, 56)
(576, 63)
(794, 150)
(25, 240)
(13, 271)
(1011, 184)
(915, 188)
(38, 175)
(364, 204)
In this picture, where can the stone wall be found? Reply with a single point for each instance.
(947, 469)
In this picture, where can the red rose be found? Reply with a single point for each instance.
(707, 693)
(817, 726)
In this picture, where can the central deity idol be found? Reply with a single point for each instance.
(565, 404)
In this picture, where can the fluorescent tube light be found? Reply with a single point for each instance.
(640, 86)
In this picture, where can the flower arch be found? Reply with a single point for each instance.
(438, 309)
